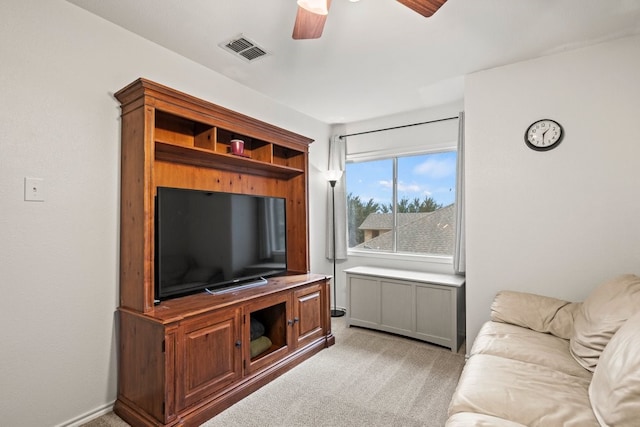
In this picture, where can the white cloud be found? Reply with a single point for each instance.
(409, 188)
(404, 188)
(436, 168)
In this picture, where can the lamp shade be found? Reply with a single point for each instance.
(319, 7)
(334, 175)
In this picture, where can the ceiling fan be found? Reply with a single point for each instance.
(312, 15)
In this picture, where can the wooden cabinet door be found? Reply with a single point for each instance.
(307, 315)
(209, 355)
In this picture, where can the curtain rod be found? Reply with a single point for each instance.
(398, 127)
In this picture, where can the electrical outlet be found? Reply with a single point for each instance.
(34, 189)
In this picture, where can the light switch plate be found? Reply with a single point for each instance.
(34, 189)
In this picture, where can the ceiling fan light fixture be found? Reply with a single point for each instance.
(319, 7)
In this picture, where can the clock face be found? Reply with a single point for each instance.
(543, 135)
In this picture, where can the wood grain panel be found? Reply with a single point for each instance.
(141, 344)
(136, 213)
(208, 358)
(307, 311)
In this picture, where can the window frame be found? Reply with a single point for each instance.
(393, 154)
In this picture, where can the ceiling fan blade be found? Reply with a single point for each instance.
(309, 25)
(425, 8)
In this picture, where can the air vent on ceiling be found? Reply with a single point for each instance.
(244, 47)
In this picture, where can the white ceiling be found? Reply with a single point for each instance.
(375, 57)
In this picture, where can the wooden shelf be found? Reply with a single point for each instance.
(187, 141)
(176, 309)
(211, 159)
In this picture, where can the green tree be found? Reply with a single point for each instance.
(358, 212)
(428, 204)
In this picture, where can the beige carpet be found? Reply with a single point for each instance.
(367, 379)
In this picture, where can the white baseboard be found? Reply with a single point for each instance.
(88, 416)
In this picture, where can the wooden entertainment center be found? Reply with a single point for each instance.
(183, 360)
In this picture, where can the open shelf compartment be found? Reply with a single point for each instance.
(288, 157)
(187, 141)
(254, 149)
(175, 130)
(269, 330)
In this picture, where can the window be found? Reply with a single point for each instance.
(403, 204)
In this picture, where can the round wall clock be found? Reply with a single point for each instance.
(543, 135)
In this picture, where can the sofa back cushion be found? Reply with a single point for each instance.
(536, 312)
(601, 315)
(615, 387)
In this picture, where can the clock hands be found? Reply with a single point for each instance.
(544, 133)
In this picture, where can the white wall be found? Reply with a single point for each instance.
(558, 222)
(59, 258)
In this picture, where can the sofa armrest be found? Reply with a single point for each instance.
(535, 312)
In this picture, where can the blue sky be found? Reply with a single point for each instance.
(431, 175)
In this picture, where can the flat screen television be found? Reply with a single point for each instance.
(213, 241)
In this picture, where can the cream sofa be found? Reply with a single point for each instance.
(541, 361)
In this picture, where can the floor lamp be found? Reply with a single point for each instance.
(334, 176)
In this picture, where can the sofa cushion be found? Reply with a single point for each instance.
(537, 312)
(615, 388)
(523, 393)
(600, 316)
(514, 342)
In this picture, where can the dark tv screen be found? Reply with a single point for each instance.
(214, 241)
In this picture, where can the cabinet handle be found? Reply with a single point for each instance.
(238, 343)
(293, 322)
